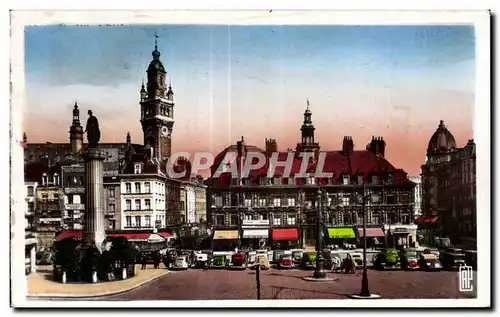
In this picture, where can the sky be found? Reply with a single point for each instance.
(397, 82)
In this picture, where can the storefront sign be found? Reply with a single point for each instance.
(400, 230)
(74, 190)
(74, 206)
(256, 222)
(110, 173)
(256, 234)
(73, 169)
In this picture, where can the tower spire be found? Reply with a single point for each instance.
(156, 41)
(307, 101)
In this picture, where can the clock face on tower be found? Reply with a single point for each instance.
(164, 131)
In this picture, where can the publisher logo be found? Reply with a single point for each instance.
(465, 277)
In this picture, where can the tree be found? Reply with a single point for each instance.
(123, 251)
(67, 258)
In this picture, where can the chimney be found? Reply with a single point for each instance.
(271, 147)
(240, 145)
(377, 145)
(347, 146)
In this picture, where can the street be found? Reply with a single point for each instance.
(281, 284)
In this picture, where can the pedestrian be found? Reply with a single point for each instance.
(156, 260)
(143, 261)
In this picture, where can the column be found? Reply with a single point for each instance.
(94, 227)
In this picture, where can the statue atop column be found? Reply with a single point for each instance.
(93, 132)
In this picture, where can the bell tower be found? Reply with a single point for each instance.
(157, 109)
(76, 131)
(307, 130)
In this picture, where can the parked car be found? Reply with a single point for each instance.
(238, 261)
(44, 258)
(261, 260)
(387, 259)
(471, 258)
(297, 257)
(308, 260)
(276, 256)
(429, 262)
(218, 261)
(452, 260)
(409, 260)
(286, 262)
(201, 260)
(181, 262)
(434, 251)
(358, 259)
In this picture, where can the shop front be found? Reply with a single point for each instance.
(255, 234)
(285, 238)
(341, 236)
(374, 237)
(401, 236)
(225, 240)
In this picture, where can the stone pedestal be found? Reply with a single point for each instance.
(94, 226)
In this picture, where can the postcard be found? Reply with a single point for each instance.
(250, 158)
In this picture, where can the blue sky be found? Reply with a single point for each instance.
(254, 80)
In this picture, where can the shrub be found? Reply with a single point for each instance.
(123, 251)
(89, 263)
(67, 258)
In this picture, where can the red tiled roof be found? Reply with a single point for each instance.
(69, 234)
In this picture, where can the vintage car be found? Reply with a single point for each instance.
(218, 261)
(471, 258)
(429, 262)
(238, 261)
(201, 260)
(297, 257)
(261, 260)
(432, 251)
(451, 259)
(409, 259)
(276, 256)
(308, 261)
(357, 257)
(387, 259)
(286, 262)
(181, 262)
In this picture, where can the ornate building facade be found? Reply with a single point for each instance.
(449, 187)
(281, 210)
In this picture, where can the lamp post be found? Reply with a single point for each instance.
(319, 274)
(365, 291)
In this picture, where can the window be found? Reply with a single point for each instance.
(345, 201)
(374, 179)
(277, 181)
(262, 181)
(234, 220)
(31, 206)
(56, 196)
(111, 193)
(375, 218)
(137, 168)
(405, 198)
(147, 221)
(291, 202)
(262, 202)
(147, 204)
(391, 199)
(277, 202)
(405, 219)
(128, 220)
(360, 180)
(248, 202)
(111, 207)
(147, 187)
(44, 179)
(291, 220)
(219, 220)
(277, 220)
(138, 188)
(218, 201)
(183, 207)
(30, 191)
(291, 181)
(137, 221)
(137, 204)
(347, 218)
(128, 204)
(128, 188)
(345, 179)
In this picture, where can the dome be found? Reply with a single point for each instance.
(442, 141)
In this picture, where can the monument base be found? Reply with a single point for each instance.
(319, 280)
(371, 296)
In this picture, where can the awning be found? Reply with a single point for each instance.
(69, 234)
(256, 233)
(285, 234)
(342, 233)
(155, 238)
(165, 235)
(141, 236)
(226, 235)
(426, 220)
(371, 232)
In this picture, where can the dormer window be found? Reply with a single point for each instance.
(311, 180)
(56, 179)
(234, 181)
(262, 181)
(389, 178)
(277, 180)
(360, 179)
(374, 179)
(137, 168)
(291, 181)
(345, 179)
(44, 179)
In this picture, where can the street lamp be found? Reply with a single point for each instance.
(365, 291)
(319, 274)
